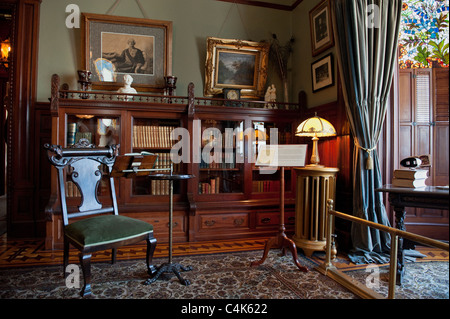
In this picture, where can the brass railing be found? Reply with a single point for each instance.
(328, 269)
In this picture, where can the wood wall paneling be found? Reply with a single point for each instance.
(423, 131)
(21, 171)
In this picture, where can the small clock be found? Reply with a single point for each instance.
(232, 94)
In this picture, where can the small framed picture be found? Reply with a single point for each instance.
(322, 73)
(321, 28)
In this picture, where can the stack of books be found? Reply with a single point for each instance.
(410, 177)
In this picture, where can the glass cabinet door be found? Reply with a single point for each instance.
(267, 180)
(99, 130)
(154, 136)
(222, 157)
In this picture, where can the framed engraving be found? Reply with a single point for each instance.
(322, 73)
(321, 28)
(114, 46)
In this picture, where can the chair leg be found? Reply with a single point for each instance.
(85, 261)
(113, 255)
(151, 245)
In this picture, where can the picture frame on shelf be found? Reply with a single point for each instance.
(321, 28)
(236, 64)
(322, 73)
(113, 46)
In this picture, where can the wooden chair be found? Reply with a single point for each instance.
(85, 166)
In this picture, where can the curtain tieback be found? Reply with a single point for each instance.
(369, 161)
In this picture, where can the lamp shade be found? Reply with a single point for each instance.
(315, 127)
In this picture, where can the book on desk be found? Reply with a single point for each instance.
(414, 178)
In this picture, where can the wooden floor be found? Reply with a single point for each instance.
(31, 252)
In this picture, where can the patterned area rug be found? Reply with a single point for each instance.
(217, 276)
(422, 280)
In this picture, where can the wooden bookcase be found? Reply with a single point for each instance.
(227, 198)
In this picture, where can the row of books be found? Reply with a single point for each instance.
(164, 161)
(210, 187)
(72, 190)
(413, 178)
(265, 186)
(227, 161)
(161, 187)
(152, 136)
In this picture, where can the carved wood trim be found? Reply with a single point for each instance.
(54, 99)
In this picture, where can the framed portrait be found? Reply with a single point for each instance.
(113, 46)
(236, 64)
(321, 28)
(322, 73)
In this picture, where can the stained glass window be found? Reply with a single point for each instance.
(424, 36)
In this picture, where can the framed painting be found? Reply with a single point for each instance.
(114, 46)
(321, 28)
(322, 73)
(236, 64)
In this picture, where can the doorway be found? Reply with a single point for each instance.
(5, 66)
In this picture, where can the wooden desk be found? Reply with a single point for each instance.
(401, 197)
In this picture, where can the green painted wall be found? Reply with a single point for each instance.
(302, 58)
(193, 21)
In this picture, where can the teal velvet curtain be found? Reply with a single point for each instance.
(366, 35)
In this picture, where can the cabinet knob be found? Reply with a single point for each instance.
(174, 224)
(265, 220)
(239, 221)
(210, 222)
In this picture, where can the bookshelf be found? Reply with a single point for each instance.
(154, 135)
(267, 133)
(222, 158)
(228, 197)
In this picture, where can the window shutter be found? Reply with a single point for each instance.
(423, 99)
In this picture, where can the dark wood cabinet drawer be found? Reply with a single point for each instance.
(273, 218)
(218, 221)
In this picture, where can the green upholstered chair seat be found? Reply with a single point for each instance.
(106, 229)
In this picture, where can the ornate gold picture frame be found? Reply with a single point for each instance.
(236, 64)
(106, 45)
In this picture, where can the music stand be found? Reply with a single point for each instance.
(136, 164)
(170, 267)
(281, 156)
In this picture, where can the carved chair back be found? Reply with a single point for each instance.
(85, 166)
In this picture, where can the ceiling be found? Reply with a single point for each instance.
(287, 5)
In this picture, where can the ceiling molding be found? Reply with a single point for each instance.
(266, 4)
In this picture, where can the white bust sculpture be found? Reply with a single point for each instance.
(126, 88)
